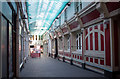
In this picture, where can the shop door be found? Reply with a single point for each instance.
(117, 42)
(4, 47)
(56, 48)
(10, 53)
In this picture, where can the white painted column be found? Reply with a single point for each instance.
(50, 48)
(93, 38)
(88, 39)
(99, 38)
(63, 45)
(84, 46)
(112, 45)
(71, 45)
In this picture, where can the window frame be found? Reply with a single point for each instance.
(60, 20)
(65, 14)
(78, 41)
(78, 6)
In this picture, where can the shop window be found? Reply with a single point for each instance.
(36, 37)
(79, 41)
(68, 43)
(33, 37)
(42, 37)
(39, 37)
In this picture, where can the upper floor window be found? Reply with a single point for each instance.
(66, 14)
(84, 4)
(55, 23)
(60, 20)
(78, 6)
(79, 41)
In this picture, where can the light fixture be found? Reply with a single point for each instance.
(68, 3)
(24, 17)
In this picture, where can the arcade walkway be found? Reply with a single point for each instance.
(49, 67)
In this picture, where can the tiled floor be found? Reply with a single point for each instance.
(49, 67)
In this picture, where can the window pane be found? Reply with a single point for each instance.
(80, 5)
(36, 37)
(33, 37)
(4, 44)
(39, 37)
(60, 20)
(42, 37)
(76, 36)
(79, 42)
(10, 48)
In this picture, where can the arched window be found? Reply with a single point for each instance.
(79, 41)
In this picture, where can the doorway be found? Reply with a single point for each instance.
(116, 22)
(4, 47)
(119, 41)
(56, 48)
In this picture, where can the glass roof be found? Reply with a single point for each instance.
(42, 13)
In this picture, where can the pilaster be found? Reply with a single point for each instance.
(17, 42)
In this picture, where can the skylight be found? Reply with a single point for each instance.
(42, 13)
